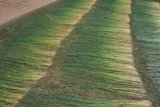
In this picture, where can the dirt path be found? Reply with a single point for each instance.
(11, 9)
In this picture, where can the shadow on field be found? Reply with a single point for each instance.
(143, 28)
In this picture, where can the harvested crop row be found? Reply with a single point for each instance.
(28, 45)
(94, 66)
(146, 32)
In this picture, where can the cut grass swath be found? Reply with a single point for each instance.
(94, 66)
(146, 31)
(28, 45)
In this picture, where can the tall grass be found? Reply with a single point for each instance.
(145, 29)
(27, 46)
(94, 66)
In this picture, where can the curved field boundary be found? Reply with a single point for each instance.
(31, 43)
(146, 31)
(94, 66)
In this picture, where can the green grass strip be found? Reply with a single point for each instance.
(26, 42)
(94, 66)
(146, 31)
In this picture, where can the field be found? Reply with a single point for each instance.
(27, 50)
(82, 53)
(145, 27)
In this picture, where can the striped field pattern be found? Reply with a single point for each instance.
(82, 53)
(94, 65)
(28, 44)
(146, 31)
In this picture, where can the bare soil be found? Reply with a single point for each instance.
(11, 9)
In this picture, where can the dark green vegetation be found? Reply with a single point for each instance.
(28, 44)
(146, 32)
(94, 66)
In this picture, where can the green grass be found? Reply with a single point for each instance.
(94, 66)
(27, 41)
(145, 29)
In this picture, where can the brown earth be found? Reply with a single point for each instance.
(11, 9)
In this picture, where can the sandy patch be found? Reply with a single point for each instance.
(11, 9)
